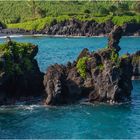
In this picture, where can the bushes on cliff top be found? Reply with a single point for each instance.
(16, 57)
(40, 24)
(120, 20)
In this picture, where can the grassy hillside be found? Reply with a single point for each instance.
(39, 24)
(33, 14)
(20, 11)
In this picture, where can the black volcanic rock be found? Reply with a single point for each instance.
(136, 65)
(75, 27)
(54, 82)
(131, 28)
(114, 38)
(19, 72)
(98, 76)
(16, 31)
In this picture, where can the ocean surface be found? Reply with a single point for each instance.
(76, 121)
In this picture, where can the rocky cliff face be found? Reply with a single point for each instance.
(136, 65)
(98, 76)
(75, 27)
(19, 72)
(16, 31)
(88, 28)
(131, 29)
(78, 28)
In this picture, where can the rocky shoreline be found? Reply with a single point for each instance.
(101, 76)
(75, 27)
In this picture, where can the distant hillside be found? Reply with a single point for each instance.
(21, 11)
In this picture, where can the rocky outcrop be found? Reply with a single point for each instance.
(20, 76)
(16, 31)
(98, 76)
(76, 27)
(136, 65)
(131, 29)
(114, 38)
(88, 28)
(54, 81)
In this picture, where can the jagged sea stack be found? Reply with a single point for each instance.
(113, 82)
(114, 38)
(100, 76)
(19, 72)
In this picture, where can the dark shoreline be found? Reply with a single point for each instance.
(56, 36)
(76, 28)
(101, 76)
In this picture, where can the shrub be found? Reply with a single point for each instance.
(16, 57)
(122, 7)
(100, 67)
(124, 56)
(103, 11)
(120, 20)
(114, 57)
(112, 9)
(81, 66)
(38, 24)
(136, 7)
(41, 12)
(87, 11)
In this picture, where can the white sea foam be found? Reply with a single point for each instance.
(12, 36)
(57, 36)
(20, 107)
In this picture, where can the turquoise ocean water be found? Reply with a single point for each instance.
(72, 121)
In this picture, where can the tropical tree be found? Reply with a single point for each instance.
(32, 5)
(136, 7)
(122, 8)
(112, 9)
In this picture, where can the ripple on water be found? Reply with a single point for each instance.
(72, 121)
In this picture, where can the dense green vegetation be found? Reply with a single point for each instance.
(41, 23)
(100, 67)
(19, 11)
(81, 66)
(114, 56)
(35, 15)
(15, 57)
